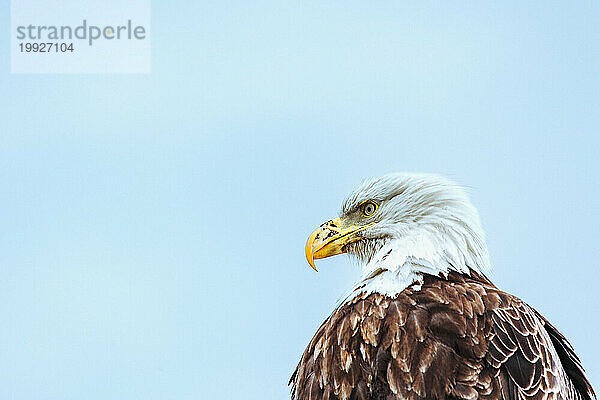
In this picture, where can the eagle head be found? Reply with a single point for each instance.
(402, 217)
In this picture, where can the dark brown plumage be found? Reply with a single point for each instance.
(457, 337)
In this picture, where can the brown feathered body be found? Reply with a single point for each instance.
(451, 337)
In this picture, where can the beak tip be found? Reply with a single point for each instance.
(309, 251)
(310, 259)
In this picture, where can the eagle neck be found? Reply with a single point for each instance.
(402, 262)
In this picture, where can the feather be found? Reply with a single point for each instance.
(417, 345)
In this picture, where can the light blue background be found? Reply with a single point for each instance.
(153, 225)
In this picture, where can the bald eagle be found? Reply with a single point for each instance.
(424, 321)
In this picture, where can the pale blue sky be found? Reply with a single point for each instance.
(154, 225)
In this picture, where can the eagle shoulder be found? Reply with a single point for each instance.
(457, 337)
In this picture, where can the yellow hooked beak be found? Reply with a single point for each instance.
(330, 238)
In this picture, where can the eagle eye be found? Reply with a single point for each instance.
(368, 208)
